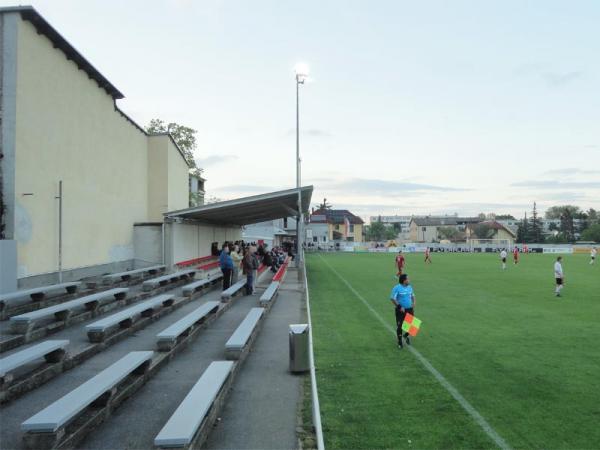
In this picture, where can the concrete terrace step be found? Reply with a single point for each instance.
(59, 413)
(30, 354)
(167, 338)
(19, 297)
(125, 317)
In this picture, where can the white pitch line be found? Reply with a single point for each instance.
(494, 436)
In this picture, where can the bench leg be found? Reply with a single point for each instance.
(72, 289)
(92, 306)
(21, 327)
(148, 312)
(38, 296)
(103, 400)
(165, 346)
(142, 369)
(42, 441)
(95, 336)
(121, 296)
(63, 316)
(126, 323)
(55, 356)
(169, 302)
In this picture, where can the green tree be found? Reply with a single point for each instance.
(523, 231)
(535, 234)
(592, 233)
(447, 233)
(376, 231)
(566, 214)
(324, 205)
(185, 137)
(592, 216)
(390, 233)
(505, 217)
(483, 231)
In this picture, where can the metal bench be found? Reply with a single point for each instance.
(232, 290)
(192, 288)
(269, 294)
(189, 423)
(242, 336)
(24, 322)
(167, 338)
(96, 391)
(52, 351)
(153, 283)
(36, 294)
(124, 276)
(124, 319)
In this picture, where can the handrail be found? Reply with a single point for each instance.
(313, 376)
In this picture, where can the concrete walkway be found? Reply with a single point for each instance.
(261, 410)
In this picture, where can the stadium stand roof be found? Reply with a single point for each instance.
(248, 210)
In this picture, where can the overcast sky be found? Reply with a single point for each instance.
(415, 107)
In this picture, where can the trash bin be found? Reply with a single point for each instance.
(299, 361)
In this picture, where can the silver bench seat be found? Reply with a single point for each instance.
(163, 280)
(124, 276)
(125, 318)
(269, 294)
(62, 411)
(50, 350)
(182, 426)
(241, 336)
(233, 289)
(189, 289)
(36, 294)
(63, 310)
(167, 338)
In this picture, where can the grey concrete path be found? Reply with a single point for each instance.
(261, 410)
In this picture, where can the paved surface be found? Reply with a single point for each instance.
(260, 411)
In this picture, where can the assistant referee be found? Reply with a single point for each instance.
(403, 299)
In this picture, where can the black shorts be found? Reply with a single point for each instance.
(503, 260)
(559, 281)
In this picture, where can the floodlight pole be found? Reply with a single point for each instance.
(300, 218)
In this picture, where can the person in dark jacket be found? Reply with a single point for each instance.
(250, 265)
(226, 264)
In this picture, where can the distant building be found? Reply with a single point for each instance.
(336, 225)
(197, 191)
(426, 229)
(500, 231)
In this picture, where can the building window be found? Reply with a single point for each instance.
(337, 228)
(285, 222)
(351, 228)
(324, 238)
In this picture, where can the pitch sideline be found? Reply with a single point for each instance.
(479, 419)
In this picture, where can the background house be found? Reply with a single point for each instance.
(342, 225)
(490, 230)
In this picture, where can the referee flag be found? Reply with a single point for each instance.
(411, 325)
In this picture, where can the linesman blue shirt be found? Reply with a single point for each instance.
(402, 295)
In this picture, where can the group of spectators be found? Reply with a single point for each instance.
(234, 256)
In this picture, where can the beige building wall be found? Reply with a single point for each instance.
(178, 186)
(188, 241)
(158, 201)
(62, 114)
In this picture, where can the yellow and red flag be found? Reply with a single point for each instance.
(411, 325)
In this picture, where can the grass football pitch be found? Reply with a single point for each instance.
(526, 361)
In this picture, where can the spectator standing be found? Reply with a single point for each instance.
(237, 260)
(248, 267)
(226, 265)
